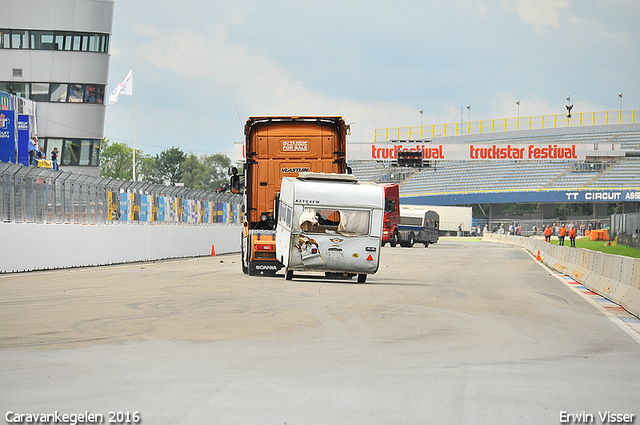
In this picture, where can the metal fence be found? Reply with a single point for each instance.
(627, 227)
(39, 195)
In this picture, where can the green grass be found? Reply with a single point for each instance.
(601, 246)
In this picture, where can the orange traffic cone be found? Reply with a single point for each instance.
(538, 256)
(213, 250)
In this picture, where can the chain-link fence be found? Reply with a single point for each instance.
(39, 195)
(627, 227)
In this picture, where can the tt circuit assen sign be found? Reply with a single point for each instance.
(468, 152)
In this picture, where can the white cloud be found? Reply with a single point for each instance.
(539, 13)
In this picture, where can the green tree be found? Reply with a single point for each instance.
(205, 172)
(168, 166)
(116, 160)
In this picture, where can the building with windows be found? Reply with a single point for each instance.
(57, 54)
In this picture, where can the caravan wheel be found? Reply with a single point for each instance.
(362, 278)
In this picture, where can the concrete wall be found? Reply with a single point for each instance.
(27, 246)
(615, 277)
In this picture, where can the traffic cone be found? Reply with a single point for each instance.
(538, 256)
(213, 250)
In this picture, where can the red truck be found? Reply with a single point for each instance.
(390, 232)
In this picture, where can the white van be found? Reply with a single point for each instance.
(329, 223)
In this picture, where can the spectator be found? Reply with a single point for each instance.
(547, 234)
(501, 230)
(518, 230)
(33, 146)
(485, 230)
(54, 159)
(572, 236)
(562, 232)
(41, 154)
(460, 230)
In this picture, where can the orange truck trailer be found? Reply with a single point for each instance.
(277, 147)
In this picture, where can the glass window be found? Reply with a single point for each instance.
(42, 40)
(77, 43)
(5, 39)
(19, 39)
(105, 44)
(85, 152)
(94, 94)
(76, 93)
(71, 152)
(94, 43)
(59, 42)
(54, 143)
(19, 89)
(58, 93)
(68, 42)
(95, 155)
(40, 92)
(85, 43)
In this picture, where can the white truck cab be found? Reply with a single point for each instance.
(329, 223)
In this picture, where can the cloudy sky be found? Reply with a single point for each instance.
(202, 67)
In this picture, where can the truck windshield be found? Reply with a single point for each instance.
(341, 221)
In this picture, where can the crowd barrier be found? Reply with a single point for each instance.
(615, 277)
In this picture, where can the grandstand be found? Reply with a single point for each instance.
(616, 179)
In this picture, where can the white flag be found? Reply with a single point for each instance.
(125, 87)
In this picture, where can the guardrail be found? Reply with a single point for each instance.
(615, 277)
(507, 124)
(40, 195)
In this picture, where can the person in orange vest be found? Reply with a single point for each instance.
(547, 234)
(572, 236)
(562, 232)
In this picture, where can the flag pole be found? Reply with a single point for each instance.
(133, 119)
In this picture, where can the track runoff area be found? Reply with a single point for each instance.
(461, 332)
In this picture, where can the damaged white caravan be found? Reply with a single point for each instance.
(329, 223)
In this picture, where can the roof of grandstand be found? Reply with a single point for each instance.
(499, 181)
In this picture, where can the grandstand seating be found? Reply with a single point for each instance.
(481, 176)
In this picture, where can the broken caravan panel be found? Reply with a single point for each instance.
(331, 224)
(278, 147)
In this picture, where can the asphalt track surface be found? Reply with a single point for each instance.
(463, 332)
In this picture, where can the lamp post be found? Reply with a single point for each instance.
(518, 120)
(469, 108)
(620, 96)
(421, 121)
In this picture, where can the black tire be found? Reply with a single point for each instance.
(412, 240)
(426, 244)
(394, 239)
(362, 278)
(288, 274)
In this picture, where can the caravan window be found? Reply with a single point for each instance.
(326, 220)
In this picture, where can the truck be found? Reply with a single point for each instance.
(277, 147)
(450, 217)
(390, 231)
(418, 226)
(329, 223)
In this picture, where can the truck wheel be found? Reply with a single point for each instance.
(394, 239)
(288, 274)
(426, 244)
(362, 278)
(412, 240)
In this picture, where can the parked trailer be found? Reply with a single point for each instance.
(329, 223)
(450, 217)
(418, 227)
